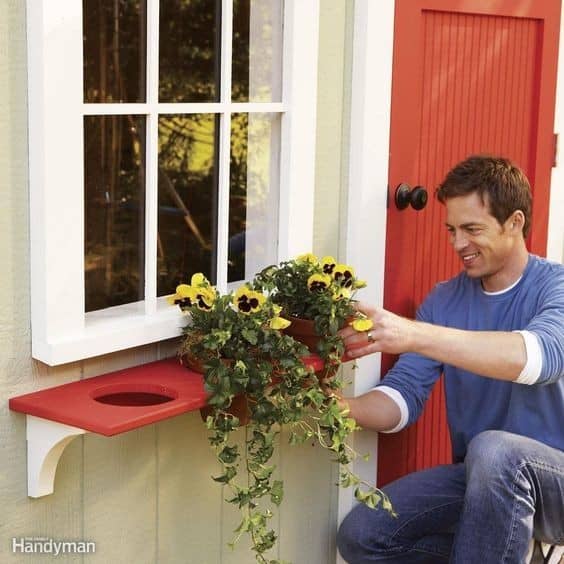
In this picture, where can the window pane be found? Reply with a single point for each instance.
(257, 50)
(114, 50)
(254, 190)
(114, 210)
(187, 198)
(189, 50)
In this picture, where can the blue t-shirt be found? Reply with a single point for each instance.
(476, 403)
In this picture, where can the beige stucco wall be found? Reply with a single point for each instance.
(146, 495)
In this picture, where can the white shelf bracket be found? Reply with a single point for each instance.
(46, 441)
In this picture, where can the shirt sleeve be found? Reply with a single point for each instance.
(533, 367)
(547, 326)
(413, 375)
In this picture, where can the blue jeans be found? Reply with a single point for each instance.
(482, 511)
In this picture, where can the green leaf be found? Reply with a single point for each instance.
(227, 476)
(250, 335)
(372, 500)
(277, 492)
(229, 454)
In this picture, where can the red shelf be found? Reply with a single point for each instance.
(109, 404)
(75, 404)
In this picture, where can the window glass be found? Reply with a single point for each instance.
(253, 201)
(189, 50)
(114, 157)
(257, 50)
(114, 42)
(187, 221)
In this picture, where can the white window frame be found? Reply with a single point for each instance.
(61, 331)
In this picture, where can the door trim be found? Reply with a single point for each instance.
(365, 218)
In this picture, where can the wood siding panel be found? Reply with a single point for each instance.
(307, 515)
(189, 502)
(120, 480)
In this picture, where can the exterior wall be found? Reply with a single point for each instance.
(145, 496)
(332, 125)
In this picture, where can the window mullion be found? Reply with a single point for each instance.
(152, 157)
(224, 144)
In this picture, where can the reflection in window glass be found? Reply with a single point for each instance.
(253, 201)
(187, 199)
(114, 50)
(257, 50)
(189, 50)
(114, 156)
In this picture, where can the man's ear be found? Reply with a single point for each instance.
(516, 221)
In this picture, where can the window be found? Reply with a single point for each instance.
(166, 138)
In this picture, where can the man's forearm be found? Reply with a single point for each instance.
(374, 410)
(496, 354)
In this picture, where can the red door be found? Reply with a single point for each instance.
(471, 76)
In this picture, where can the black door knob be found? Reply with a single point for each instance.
(406, 196)
(418, 198)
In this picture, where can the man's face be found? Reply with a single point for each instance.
(487, 249)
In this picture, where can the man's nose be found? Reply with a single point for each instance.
(459, 241)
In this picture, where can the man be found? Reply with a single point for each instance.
(497, 332)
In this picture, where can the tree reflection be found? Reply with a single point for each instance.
(115, 36)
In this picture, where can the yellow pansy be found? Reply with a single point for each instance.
(362, 324)
(198, 279)
(247, 300)
(205, 297)
(328, 264)
(360, 284)
(318, 282)
(341, 293)
(344, 275)
(307, 257)
(185, 296)
(279, 323)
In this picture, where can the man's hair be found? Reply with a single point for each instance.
(505, 185)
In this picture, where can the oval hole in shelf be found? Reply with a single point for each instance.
(128, 395)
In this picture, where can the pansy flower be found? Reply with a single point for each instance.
(328, 264)
(278, 322)
(198, 279)
(247, 300)
(344, 275)
(205, 296)
(307, 257)
(184, 297)
(318, 282)
(362, 324)
(198, 293)
(341, 293)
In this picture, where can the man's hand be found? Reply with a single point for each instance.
(390, 333)
(494, 354)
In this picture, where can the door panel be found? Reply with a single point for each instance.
(479, 77)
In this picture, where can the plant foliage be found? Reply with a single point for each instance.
(236, 341)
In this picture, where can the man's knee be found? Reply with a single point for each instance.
(491, 454)
(494, 450)
(360, 534)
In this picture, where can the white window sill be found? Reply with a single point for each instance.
(112, 329)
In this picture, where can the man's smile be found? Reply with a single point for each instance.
(469, 258)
